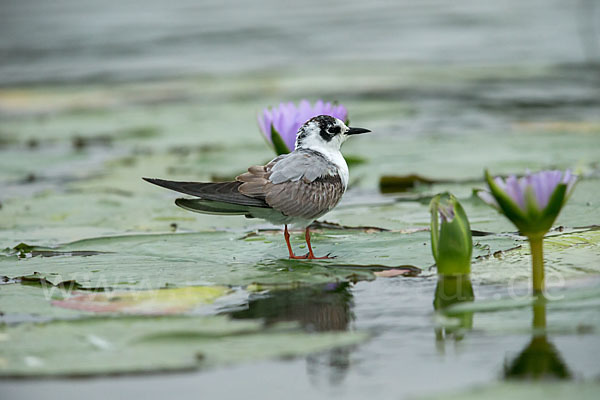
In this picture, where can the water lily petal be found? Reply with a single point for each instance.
(488, 198)
(500, 182)
(304, 110)
(515, 191)
(319, 106)
(539, 189)
(264, 122)
(446, 212)
(544, 184)
(341, 112)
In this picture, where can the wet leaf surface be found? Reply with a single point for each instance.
(144, 302)
(103, 346)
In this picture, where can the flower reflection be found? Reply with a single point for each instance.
(451, 290)
(540, 360)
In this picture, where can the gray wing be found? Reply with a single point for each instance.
(301, 184)
(309, 165)
(305, 199)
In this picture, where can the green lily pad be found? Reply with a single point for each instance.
(150, 302)
(155, 261)
(136, 345)
(566, 256)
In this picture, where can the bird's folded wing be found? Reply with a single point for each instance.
(305, 199)
(302, 164)
(301, 184)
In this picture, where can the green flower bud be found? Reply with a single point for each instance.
(451, 242)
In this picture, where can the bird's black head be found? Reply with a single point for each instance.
(325, 130)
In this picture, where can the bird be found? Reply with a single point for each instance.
(292, 189)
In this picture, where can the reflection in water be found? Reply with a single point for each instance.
(452, 289)
(329, 367)
(540, 359)
(316, 308)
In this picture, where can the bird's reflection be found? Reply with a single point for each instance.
(450, 290)
(540, 360)
(317, 308)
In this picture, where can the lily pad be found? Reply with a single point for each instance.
(150, 302)
(140, 345)
(155, 261)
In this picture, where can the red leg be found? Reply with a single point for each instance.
(286, 235)
(311, 255)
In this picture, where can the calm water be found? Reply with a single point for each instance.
(406, 356)
(70, 40)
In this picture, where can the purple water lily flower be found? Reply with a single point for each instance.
(531, 202)
(541, 184)
(287, 118)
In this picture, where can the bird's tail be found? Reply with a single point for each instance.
(212, 207)
(221, 198)
(221, 192)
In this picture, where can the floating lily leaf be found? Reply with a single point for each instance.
(37, 279)
(23, 250)
(152, 302)
(155, 261)
(135, 345)
(393, 184)
(26, 303)
(569, 255)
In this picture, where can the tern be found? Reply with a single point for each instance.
(292, 189)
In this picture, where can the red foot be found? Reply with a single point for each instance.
(310, 256)
(295, 257)
(286, 235)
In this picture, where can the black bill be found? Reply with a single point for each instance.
(357, 131)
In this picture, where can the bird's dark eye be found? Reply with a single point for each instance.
(335, 130)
